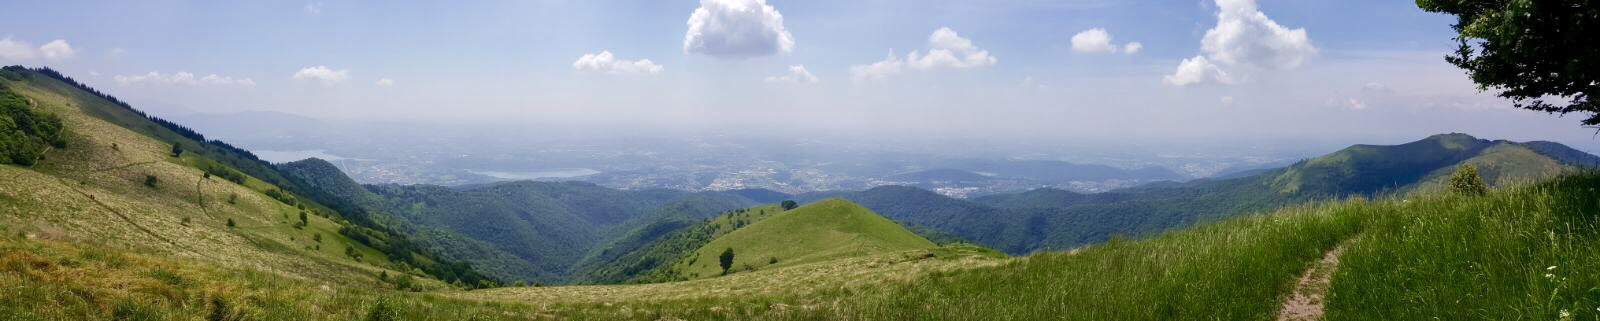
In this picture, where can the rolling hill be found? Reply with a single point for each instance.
(1024, 222)
(825, 230)
(117, 187)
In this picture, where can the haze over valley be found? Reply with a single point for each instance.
(810, 160)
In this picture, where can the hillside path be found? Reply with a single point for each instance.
(1306, 302)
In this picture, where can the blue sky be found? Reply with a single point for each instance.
(1370, 70)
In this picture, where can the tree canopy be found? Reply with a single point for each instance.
(1542, 55)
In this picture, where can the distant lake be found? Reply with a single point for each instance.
(542, 174)
(284, 156)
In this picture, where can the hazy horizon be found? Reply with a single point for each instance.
(1094, 72)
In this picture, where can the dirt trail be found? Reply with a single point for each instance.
(1306, 302)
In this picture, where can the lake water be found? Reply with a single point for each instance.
(541, 174)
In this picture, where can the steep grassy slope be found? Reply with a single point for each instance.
(825, 230)
(121, 188)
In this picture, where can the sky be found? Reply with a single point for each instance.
(1369, 71)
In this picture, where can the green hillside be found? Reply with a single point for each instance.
(1047, 219)
(650, 254)
(820, 231)
(116, 187)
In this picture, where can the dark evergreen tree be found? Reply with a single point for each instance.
(725, 260)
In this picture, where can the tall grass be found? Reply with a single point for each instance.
(58, 281)
(1530, 253)
(1526, 253)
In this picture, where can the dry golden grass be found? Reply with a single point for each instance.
(93, 191)
(799, 280)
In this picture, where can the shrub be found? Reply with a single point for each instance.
(1467, 182)
(383, 311)
(789, 205)
(150, 181)
(231, 224)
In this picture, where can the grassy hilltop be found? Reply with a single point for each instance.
(821, 231)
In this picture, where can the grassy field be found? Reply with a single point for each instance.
(95, 190)
(1422, 257)
(1531, 254)
(821, 231)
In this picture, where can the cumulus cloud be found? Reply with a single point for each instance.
(1197, 70)
(323, 74)
(947, 50)
(182, 78)
(385, 82)
(1093, 41)
(57, 50)
(797, 75)
(18, 50)
(737, 29)
(606, 63)
(313, 8)
(1246, 39)
(1098, 41)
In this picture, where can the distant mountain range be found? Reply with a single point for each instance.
(563, 231)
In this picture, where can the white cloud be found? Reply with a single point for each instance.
(1195, 71)
(182, 78)
(385, 82)
(1227, 100)
(326, 75)
(57, 50)
(947, 50)
(797, 75)
(313, 8)
(1093, 41)
(880, 70)
(16, 50)
(606, 63)
(737, 29)
(1246, 39)
(1098, 41)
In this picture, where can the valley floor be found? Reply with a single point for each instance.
(1522, 253)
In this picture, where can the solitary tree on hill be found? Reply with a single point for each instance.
(177, 150)
(725, 260)
(789, 205)
(1542, 55)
